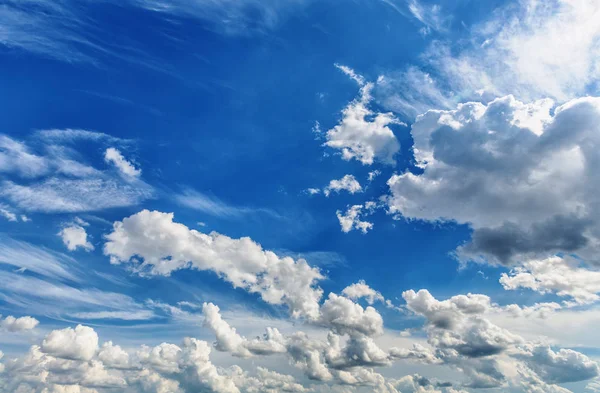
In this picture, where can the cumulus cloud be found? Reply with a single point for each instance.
(12, 324)
(69, 361)
(347, 183)
(165, 246)
(345, 317)
(563, 366)
(456, 324)
(518, 175)
(80, 343)
(362, 290)
(363, 134)
(75, 236)
(351, 219)
(562, 276)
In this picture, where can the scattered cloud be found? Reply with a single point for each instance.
(75, 236)
(351, 219)
(362, 134)
(216, 207)
(114, 156)
(346, 183)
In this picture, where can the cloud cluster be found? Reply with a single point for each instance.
(463, 337)
(71, 360)
(152, 243)
(520, 176)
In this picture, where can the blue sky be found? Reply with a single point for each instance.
(404, 189)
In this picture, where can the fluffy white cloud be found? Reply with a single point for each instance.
(166, 246)
(114, 156)
(346, 317)
(351, 219)
(562, 276)
(80, 343)
(522, 178)
(73, 236)
(361, 133)
(362, 290)
(20, 324)
(227, 338)
(347, 183)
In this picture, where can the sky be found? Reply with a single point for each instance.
(246, 196)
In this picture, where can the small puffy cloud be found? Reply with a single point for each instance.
(75, 236)
(114, 156)
(351, 219)
(12, 324)
(166, 246)
(80, 343)
(346, 183)
(362, 134)
(362, 290)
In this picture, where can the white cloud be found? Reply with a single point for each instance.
(352, 220)
(114, 156)
(361, 133)
(166, 246)
(562, 366)
(60, 298)
(74, 236)
(20, 324)
(561, 276)
(74, 195)
(347, 183)
(69, 135)
(80, 343)
(519, 176)
(345, 317)
(216, 207)
(228, 340)
(17, 157)
(52, 177)
(531, 49)
(22, 255)
(362, 290)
